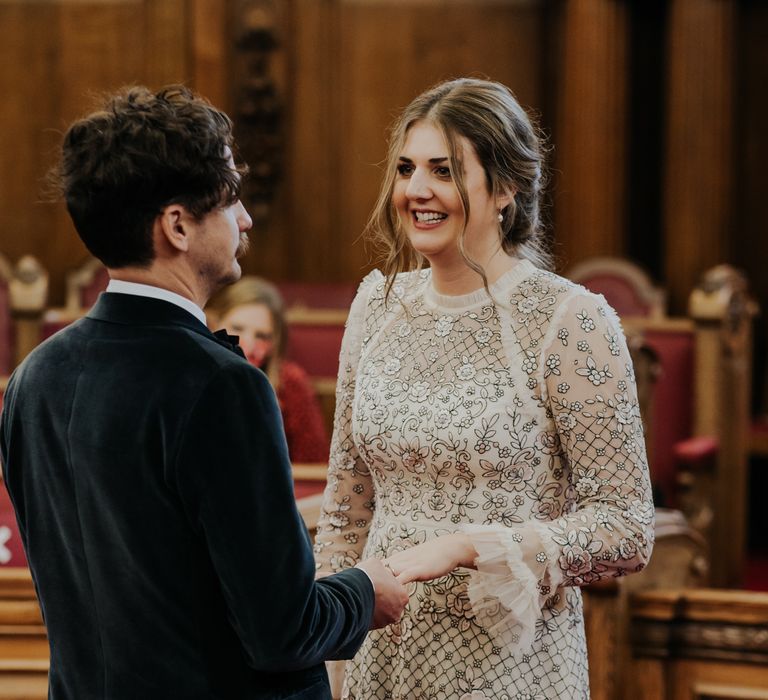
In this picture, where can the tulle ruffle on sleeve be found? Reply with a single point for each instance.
(516, 575)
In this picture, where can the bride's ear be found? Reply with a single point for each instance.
(504, 199)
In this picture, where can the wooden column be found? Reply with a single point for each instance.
(699, 121)
(591, 136)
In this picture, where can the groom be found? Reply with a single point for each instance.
(146, 459)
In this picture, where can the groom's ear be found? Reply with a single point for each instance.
(174, 227)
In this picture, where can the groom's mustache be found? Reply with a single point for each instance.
(243, 246)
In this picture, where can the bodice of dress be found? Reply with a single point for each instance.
(512, 417)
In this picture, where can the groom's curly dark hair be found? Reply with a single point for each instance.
(143, 150)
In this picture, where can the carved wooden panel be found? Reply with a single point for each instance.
(706, 643)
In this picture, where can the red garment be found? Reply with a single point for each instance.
(303, 420)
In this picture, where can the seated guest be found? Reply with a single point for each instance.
(253, 310)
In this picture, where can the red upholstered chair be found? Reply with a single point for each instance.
(625, 285)
(314, 342)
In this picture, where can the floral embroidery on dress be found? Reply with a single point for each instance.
(515, 420)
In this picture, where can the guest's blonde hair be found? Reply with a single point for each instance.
(255, 290)
(510, 149)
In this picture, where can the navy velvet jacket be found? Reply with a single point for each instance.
(159, 521)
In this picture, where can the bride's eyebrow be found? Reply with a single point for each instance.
(435, 161)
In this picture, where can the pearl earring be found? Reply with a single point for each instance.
(501, 217)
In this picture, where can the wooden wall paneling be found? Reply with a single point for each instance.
(375, 72)
(69, 51)
(209, 38)
(592, 131)
(699, 120)
(308, 238)
(28, 39)
(389, 52)
(168, 44)
(100, 48)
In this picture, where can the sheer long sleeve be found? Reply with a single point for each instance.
(595, 440)
(348, 501)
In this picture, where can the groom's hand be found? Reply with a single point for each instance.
(391, 596)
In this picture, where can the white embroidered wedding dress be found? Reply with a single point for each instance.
(514, 420)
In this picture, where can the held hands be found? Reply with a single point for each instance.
(391, 596)
(420, 563)
(432, 559)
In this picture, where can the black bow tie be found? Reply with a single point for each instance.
(229, 341)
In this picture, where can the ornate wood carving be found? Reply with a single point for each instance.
(701, 624)
(723, 312)
(258, 110)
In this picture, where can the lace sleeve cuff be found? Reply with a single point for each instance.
(516, 571)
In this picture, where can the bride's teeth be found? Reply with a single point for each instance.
(426, 216)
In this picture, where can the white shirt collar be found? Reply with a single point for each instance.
(148, 290)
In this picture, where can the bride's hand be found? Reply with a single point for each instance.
(432, 559)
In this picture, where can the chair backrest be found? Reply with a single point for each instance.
(84, 285)
(317, 295)
(625, 285)
(663, 355)
(314, 342)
